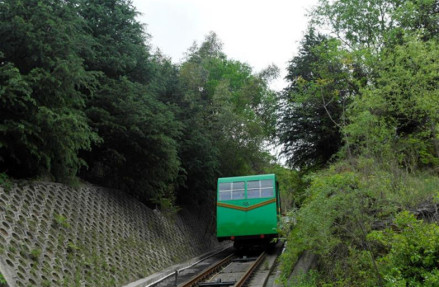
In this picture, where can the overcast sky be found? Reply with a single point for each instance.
(257, 32)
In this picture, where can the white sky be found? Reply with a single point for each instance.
(256, 32)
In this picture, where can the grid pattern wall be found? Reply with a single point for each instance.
(54, 235)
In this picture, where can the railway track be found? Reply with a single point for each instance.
(231, 271)
(222, 268)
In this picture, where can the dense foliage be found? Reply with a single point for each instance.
(313, 104)
(381, 57)
(44, 86)
(411, 258)
(138, 151)
(344, 205)
(82, 95)
(363, 102)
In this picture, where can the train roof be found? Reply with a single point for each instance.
(247, 177)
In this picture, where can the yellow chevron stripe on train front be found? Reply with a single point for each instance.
(246, 208)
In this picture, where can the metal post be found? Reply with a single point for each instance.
(176, 277)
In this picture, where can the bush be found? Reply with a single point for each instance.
(344, 204)
(5, 181)
(2, 280)
(333, 223)
(412, 252)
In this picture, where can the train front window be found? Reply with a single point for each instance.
(225, 191)
(231, 190)
(266, 188)
(238, 190)
(253, 189)
(260, 188)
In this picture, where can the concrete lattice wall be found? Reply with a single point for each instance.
(54, 235)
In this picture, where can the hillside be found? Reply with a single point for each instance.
(84, 96)
(55, 235)
(366, 226)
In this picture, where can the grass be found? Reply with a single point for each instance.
(35, 254)
(61, 220)
(2, 280)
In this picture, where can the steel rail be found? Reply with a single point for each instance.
(141, 282)
(208, 271)
(250, 271)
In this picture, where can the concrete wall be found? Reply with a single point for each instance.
(54, 235)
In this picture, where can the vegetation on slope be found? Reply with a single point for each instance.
(83, 95)
(368, 95)
(350, 219)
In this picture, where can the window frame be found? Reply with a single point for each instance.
(245, 191)
(232, 191)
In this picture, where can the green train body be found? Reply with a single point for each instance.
(248, 208)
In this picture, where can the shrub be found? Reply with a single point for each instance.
(412, 252)
(333, 223)
(5, 181)
(344, 204)
(2, 280)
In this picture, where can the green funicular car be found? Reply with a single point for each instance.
(248, 209)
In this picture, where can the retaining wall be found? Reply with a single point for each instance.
(54, 235)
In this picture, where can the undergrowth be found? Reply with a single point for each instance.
(5, 181)
(347, 220)
(2, 280)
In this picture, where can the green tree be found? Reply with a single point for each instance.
(419, 17)
(139, 152)
(377, 23)
(116, 41)
(313, 105)
(398, 114)
(228, 113)
(139, 149)
(358, 23)
(44, 85)
(385, 54)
